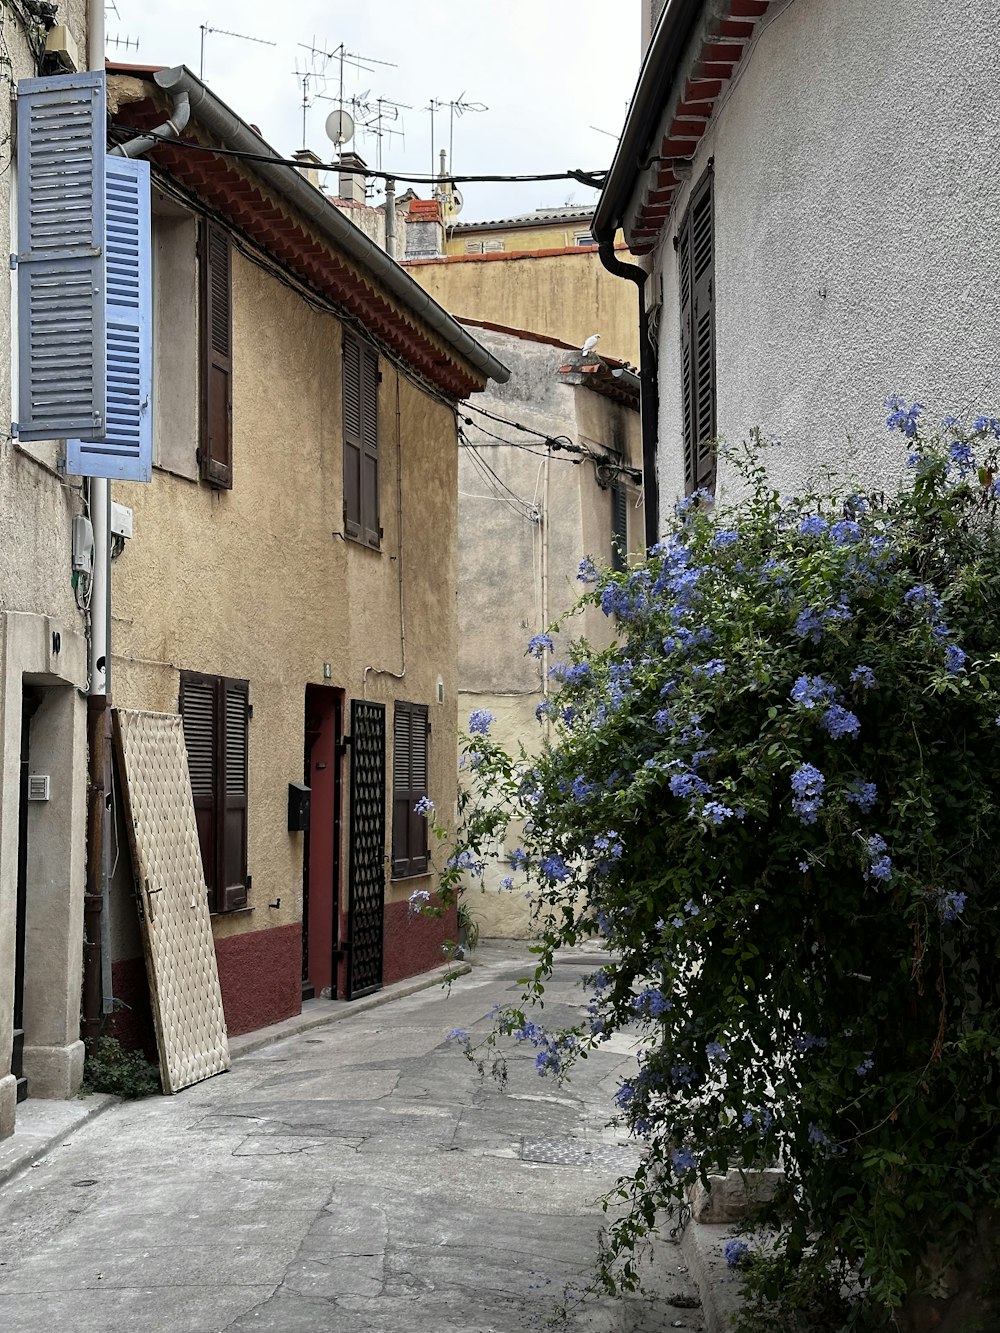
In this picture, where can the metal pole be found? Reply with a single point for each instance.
(390, 217)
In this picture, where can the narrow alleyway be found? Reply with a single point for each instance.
(357, 1177)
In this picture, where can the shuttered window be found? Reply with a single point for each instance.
(410, 732)
(361, 441)
(126, 452)
(696, 259)
(215, 454)
(215, 711)
(619, 527)
(61, 196)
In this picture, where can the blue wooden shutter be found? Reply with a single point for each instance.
(126, 452)
(60, 259)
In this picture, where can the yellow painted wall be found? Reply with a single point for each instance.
(260, 583)
(556, 236)
(566, 296)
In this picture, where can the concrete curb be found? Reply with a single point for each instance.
(43, 1124)
(319, 1013)
(703, 1247)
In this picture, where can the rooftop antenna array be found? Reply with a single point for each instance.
(382, 116)
(126, 42)
(225, 32)
(316, 74)
(458, 108)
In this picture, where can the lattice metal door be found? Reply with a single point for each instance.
(367, 861)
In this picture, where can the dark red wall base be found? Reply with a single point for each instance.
(261, 977)
(413, 944)
(132, 1020)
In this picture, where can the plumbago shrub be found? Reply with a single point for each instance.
(775, 798)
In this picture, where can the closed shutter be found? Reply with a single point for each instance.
(696, 264)
(216, 715)
(234, 796)
(361, 441)
(126, 452)
(62, 385)
(370, 442)
(619, 526)
(352, 435)
(409, 785)
(703, 335)
(198, 715)
(216, 453)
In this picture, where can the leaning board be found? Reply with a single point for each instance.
(171, 896)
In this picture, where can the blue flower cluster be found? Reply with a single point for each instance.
(812, 691)
(880, 863)
(902, 417)
(651, 1003)
(863, 795)
(807, 784)
(539, 644)
(951, 905)
(480, 722)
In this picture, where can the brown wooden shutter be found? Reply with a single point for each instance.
(236, 725)
(216, 453)
(198, 714)
(370, 440)
(703, 334)
(409, 784)
(352, 435)
(687, 353)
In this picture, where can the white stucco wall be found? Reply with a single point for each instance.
(857, 245)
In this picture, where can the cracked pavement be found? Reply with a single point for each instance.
(359, 1177)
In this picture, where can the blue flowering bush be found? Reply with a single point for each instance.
(776, 798)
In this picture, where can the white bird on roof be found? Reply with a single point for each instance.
(591, 343)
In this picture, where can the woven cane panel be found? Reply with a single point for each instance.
(367, 879)
(177, 930)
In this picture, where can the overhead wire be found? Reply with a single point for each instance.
(593, 179)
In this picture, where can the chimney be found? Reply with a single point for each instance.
(352, 183)
(308, 165)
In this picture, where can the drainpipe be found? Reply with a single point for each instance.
(649, 389)
(390, 217)
(97, 994)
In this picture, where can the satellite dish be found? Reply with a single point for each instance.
(339, 127)
(453, 203)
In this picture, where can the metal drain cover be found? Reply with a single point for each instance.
(581, 1152)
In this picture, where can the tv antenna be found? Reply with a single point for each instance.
(457, 108)
(319, 59)
(384, 114)
(126, 42)
(225, 32)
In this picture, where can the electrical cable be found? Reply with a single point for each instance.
(513, 500)
(593, 179)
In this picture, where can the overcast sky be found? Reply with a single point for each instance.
(547, 71)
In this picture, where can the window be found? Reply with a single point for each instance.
(215, 711)
(361, 463)
(410, 730)
(215, 456)
(696, 256)
(494, 247)
(619, 526)
(473, 247)
(584, 238)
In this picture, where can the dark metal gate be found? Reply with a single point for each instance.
(366, 904)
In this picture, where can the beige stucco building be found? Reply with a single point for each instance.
(289, 585)
(538, 271)
(532, 503)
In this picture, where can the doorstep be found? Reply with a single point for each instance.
(42, 1123)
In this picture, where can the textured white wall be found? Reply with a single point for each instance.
(857, 238)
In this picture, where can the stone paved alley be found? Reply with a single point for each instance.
(356, 1177)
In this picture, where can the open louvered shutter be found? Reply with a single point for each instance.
(236, 712)
(353, 449)
(619, 526)
(126, 452)
(703, 335)
(216, 452)
(60, 260)
(198, 708)
(409, 784)
(369, 452)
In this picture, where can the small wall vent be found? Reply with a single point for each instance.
(38, 786)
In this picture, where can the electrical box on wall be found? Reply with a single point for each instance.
(83, 545)
(298, 807)
(38, 786)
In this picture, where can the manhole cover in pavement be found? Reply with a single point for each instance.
(580, 1152)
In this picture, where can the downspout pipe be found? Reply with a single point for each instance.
(649, 389)
(180, 114)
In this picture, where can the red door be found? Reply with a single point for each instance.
(321, 851)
